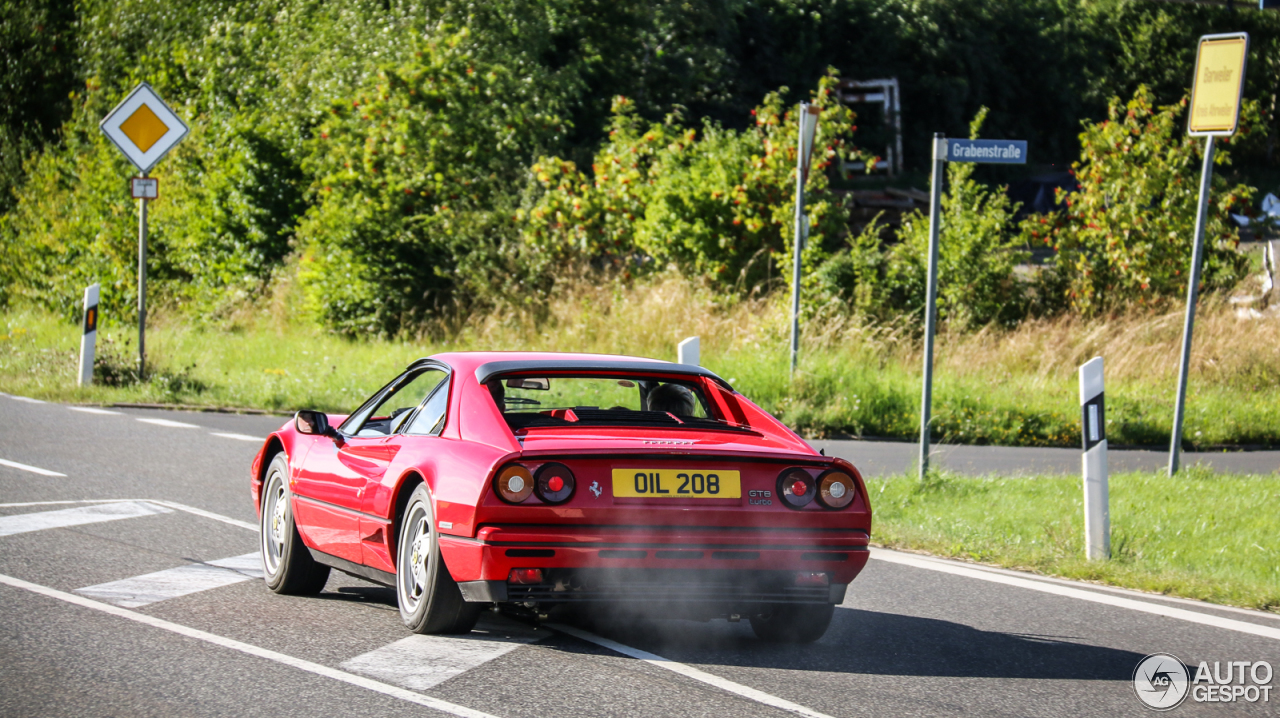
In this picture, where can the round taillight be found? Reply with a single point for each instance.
(796, 487)
(554, 483)
(514, 483)
(835, 489)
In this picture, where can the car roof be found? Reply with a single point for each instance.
(486, 365)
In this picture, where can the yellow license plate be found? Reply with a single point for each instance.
(676, 484)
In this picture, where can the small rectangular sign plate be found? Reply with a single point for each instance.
(1005, 152)
(144, 187)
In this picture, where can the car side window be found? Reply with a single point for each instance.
(430, 419)
(397, 405)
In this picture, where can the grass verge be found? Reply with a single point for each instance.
(1014, 388)
(1200, 535)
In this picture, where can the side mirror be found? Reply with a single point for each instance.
(308, 421)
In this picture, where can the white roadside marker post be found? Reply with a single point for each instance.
(1216, 90)
(808, 128)
(1097, 499)
(88, 335)
(687, 352)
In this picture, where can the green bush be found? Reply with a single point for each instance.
(978, 249)
(1126, 236)
(716, 203)
(413, 182)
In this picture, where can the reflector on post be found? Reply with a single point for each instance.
(89, 335)
(1097, 511)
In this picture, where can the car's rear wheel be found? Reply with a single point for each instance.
(287, 564)
(793, 622)
(429, 599)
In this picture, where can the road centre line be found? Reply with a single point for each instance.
(28, 467)
(167, 504)
(166, 422)
(79, 516)
(241, 437)
(689, 672)
(95, 410)
(1081, 594)
(249, 649)
(176, 582)
(1138, 595)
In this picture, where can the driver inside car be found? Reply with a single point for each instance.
(673, 399)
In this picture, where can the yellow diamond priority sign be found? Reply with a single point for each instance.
(1218, 84)
(143, 127)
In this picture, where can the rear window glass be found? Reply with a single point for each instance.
(535, 401)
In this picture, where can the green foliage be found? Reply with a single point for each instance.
(978, 251)
(718, 204)
(411, 173)
(37, 69)
(1127, 235)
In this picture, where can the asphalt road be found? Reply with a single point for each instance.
(128, 588)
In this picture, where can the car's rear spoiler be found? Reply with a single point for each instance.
(488, 370)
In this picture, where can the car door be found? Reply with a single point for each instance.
(329, 489)
(423, 427)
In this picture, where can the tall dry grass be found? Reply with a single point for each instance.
(1137, 347)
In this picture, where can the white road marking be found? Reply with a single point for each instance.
(206, 514)
(252, 650)
(27, 399)
(174, 582)
(1138, 595)
(241, 437)
(23, 523)
(27, 467)
(166, 422)
(690, 672)
(1077, 593)
(95, 410)
(170, 504)
(47, 503)
(421, 662)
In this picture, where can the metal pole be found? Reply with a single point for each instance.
(799, 246)
(1193, 290)
(142, 288)
(931, 297)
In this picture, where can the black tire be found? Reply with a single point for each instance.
(793, 622)
(286, 563)
(429, 599)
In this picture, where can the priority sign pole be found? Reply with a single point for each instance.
(1215, 111)
(142, 288)
(144, 128)
(931, 297)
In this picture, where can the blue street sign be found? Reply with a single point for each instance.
(1007, 152)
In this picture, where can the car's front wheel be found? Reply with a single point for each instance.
(287, 564)
(429, 599)
(793, 622)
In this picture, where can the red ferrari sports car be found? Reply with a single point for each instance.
(538, 480)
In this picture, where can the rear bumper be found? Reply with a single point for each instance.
(671, 564)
